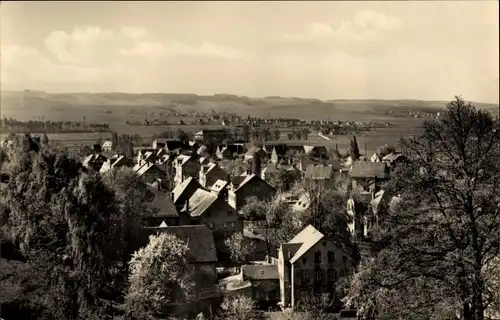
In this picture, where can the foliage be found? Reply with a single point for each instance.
(159, 275)
(444, 233)
(124, 145)
(239, 249)
(239, 308)
(354, 149)
(17, 126)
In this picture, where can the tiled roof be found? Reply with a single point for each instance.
(302, 204)
(164, 203)
(147, 167)
(181, 188)
(368, 169)
(199, 239)
(252, 151)
(319, 172)
(237, 180)
(308, 238)
(183, 159)
(260, 272)
(200, 202)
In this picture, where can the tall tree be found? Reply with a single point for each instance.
(159, 275)
(240, 250)
(354, 150)
(445, 230)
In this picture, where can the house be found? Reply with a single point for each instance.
(229, 150)
(310, 264)
(185, 167)
(249, 186)
(265, 283)
(214, 136)
(184, 191)
(257, 240)
(316, 151)
(147, 155)
(107, 146)
(220, 187)
(358, 208)
(376, 158)
(276, 152)
(367, 175)
(303, 163)
(270, 172)
(116, 161)
(94, 161)
(210, 173)
(149, 173)
(203, 151)
(254, 151)
(212, 210)
(202, 254)
(321, 173)
(165, 210)
(393, 159)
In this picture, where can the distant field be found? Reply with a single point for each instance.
(117, 108)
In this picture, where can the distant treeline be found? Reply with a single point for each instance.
(17, 126)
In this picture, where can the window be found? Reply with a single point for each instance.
(230, 213)
(232, 224)
(305, 275)
(257, 189)
(210, 225)
(304, 261)
(225, 224)
(332, 275)
(317, 256)
(344, 258)
(318, 275)
(331, 257)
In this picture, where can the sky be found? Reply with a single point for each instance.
(426, 50)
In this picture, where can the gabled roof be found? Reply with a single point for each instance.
(183, 159)
(307, 238)
(232, 148)
(164, 203)
(248, 179)
(271, 168)
(95, 157)
(392, 157)
(147, 167)
(181, 188)
(200, 202)
(302, 204)
(368, 169)
(237, 180)
(319, 172)
(260, 272)
(219, 185)
(199, 239)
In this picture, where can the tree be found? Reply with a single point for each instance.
(159, 275)
(246, 132)
(181, 135)
(445, 230)
(270, 213)
(305, 133)
(239, 308)
(276, 133)
(114, 140)
(354, 149)
(326, 210)
(45, 139)
(239, 249)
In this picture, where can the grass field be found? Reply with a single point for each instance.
(117, 108)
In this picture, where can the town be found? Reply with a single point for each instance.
(284, 226)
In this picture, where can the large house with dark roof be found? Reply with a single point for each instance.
(184, 191)
(367, 175)
(210, 173)
(244, 187)
(186, 166)
(202, 255)
(311, 264)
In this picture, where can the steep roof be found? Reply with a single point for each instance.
(237, 180)
(302, 204)
(147, 167)
(248, 179)
(164, 203)
(199, 239)
(182, 159)
(335, 163)
(308, 237)
(368, 169)
(392, 157)
(260, 272)
(253, 150)
(200, 202)
(181, 188)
